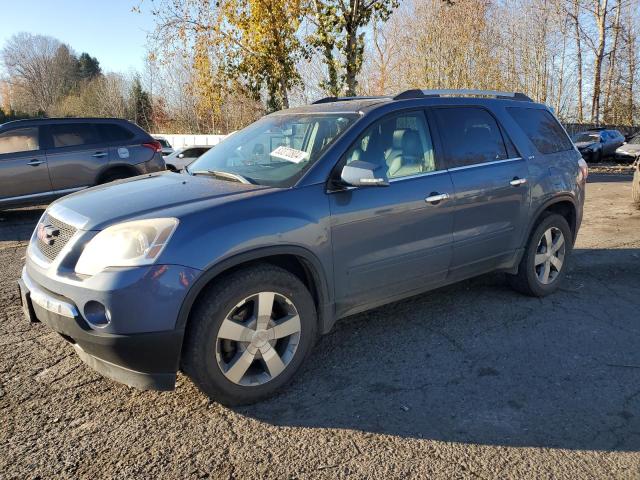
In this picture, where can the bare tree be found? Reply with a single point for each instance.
(39, 69)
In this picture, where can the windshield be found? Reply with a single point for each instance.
(163, 142)
(586, 137)
(634, 140)
(276, 150)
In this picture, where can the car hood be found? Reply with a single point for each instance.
(145, 196)
(582, 145)
(631, 148)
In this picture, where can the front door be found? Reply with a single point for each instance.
(23, 165)
(490, 185)
(391, 241)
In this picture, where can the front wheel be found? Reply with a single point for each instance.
(543, 264)
(249, 334)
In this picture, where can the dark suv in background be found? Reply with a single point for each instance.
(232, 269)
(597, 144)
(43, 159)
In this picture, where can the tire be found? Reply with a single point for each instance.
(112, 176)
(635, 187)
(597, 157)
(235, 372)
(530, 279)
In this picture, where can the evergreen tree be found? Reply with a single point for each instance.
(141, 110)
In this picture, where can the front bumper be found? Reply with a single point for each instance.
(145, 359)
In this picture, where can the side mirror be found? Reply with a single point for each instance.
(362, 174)
(181, 155)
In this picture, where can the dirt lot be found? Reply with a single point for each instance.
(472, 380)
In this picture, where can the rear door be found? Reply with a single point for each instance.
(491, 190)
(23, 164)
(76, 154)
(390, 241)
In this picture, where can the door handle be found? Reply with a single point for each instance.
(35, 162)
(99, 154)
(436, 198)
(517, 182)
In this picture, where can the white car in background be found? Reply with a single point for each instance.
(182, 157)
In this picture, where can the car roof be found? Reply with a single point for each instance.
(44, 121)
(411, 97)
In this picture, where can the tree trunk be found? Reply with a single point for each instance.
(600, 14)
(576, 20)
(351, 60)
(612, 63)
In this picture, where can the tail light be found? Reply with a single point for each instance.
(584, 170)
(154, 145)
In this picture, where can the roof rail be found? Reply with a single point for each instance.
(417, 93)
(342, 99)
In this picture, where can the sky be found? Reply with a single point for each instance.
(106, 29)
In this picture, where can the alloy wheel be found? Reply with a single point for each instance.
(258, 339)
(549, 257)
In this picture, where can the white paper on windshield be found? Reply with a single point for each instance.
(289, 154)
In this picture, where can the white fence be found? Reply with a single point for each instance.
(179, 141)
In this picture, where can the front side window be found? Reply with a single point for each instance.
(399, 146)
(73, 134)
(19, 140)
(470, 136)
(276, 150)
(543, 130)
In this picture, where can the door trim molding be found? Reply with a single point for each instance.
(476, 165)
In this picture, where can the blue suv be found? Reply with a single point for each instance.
(231, 270)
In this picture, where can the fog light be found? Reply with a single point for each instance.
(96, 314)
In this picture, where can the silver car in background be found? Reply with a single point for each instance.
(629, 152)
(182, 157)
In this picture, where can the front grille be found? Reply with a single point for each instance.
(52, 246)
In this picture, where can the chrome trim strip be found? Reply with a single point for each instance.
(47, 301)
(476, 165)
(43, 194)
(68, 216)
(417, 175)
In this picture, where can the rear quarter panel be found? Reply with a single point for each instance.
(551, 177)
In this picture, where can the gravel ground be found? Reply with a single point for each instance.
(471, 380)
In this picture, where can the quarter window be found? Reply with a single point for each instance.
(73, 134)
(19, 140)
(470, 136)
(399, 145)
(110, 132)
(542, 129)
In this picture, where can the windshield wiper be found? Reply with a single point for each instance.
(234, 177)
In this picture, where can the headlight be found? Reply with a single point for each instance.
(126, 244)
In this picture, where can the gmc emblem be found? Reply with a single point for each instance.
(47, 233)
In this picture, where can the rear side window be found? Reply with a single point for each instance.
(470, 136)
(73, 134)
(542, 128)
(110, 132)
(19, 140)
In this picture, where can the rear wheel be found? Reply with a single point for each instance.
(543, 264)
(249, 334)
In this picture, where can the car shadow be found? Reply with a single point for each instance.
(17, 225)
(608, 178)
(478, 363)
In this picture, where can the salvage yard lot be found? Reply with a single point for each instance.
(472, 380)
